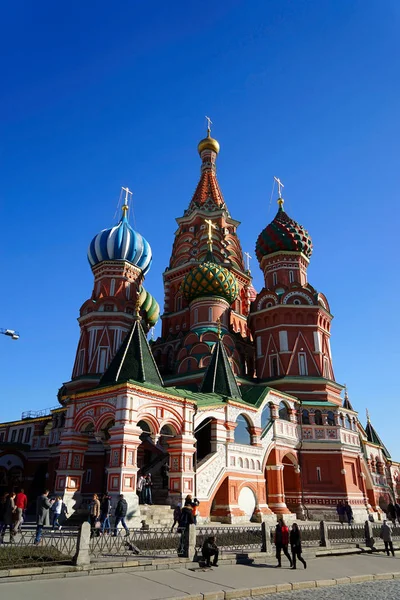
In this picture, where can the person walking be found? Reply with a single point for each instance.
(120, 513)
(140, 488)
(105, 514)
(56, 510)
(282, 542)
(386, 536)
(148, 483)
(43, 505)
(341, 511)
(349, 513)
(391, 513)
(210, 549)
(295, 545)
(3, 525)
(9, 512)
(21, 504)
(177, 515)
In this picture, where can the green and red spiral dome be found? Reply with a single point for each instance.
(283, 235)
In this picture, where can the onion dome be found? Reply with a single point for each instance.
(210, 279)
(208, 143)
(283, 234)
(149, 305)
(121, 242)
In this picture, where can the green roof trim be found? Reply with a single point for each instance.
(219, 377)
(134, 361)
(318, 403)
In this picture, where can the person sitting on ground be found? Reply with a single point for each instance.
(295, 545)
(210, 549)
(391, 513)
(349, 513)
(386, 536)
(282, 542)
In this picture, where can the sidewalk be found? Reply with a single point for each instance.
(173, 583)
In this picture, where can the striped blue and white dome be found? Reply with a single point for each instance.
(121, 243)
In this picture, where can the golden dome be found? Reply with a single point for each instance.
(208, 143)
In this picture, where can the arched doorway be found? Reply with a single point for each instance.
(247, 501)
(202, 433)
(292, 484)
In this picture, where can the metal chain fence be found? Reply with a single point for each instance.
(344, 534)
(19, 549)
(146, 543)
(231, 539)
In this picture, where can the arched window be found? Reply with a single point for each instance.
(291, 277)
(331, 418)
(305, 417)
(274, 279)
(246, 463)
(242, 431)
(266, 416)
(283, 412)
(112, 287)
(273, 365)
(318, 417)
(348, 422)
(241, 462)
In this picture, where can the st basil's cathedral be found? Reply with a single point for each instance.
(235, 403)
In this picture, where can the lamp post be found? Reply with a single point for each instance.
(14, 335)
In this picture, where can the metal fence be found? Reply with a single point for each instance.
(146, 543)
(232, 539)
(54, 548)
(345, 534)
(310, 535)
(376, 529)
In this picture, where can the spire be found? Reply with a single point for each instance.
(125, 206)
(134, 360)
(219, 377)
(280, 199)
(374, 438)
(346, 401)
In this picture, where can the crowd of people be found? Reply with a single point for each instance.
(12, 512)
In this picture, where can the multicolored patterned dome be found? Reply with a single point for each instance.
(149, 305)
(210, 279)
(283, 234)
(121, 243)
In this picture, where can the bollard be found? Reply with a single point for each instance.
(191, 543)
(82, 556)
(324, 535)
(266, 538)
(369, 534)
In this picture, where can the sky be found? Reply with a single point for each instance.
(95, 96)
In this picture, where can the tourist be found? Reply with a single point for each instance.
(105, 514)
(21, 503)
(184, 523)
(397, 509)
(164, 473)
(56, 509)
(177, 515)
(147, 489)
(140, 488)
(95, 514)
(210, 549)
(195, 507)
(3, 525)
(386, 536)
(295, 545)
(120, 514)
(282, 542)
(43, 505)
(341, 512)
(349, 513)
(391, 513)
(10, 514)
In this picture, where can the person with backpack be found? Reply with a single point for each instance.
(282, 542)
(120, 513)
(295, 545)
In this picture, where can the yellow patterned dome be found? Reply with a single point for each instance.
(208, 143)
(210, 279)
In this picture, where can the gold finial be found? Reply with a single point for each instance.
(280, 185)
(137, 306)
(208, 143)
(125, 207)
(368, 419)
(219, 328)
(210, 228)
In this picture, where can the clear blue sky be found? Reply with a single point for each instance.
(95, 96)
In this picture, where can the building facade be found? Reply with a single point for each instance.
(237, 396)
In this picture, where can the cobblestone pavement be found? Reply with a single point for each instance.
(372, 590)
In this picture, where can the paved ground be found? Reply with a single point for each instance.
(154, 585)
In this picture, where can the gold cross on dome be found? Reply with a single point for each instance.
(280, 185)
(248, 260)
(219, 328)
(210, 228)
(209, 123)
(126, 200)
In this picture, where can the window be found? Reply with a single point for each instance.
(291, 277)
(13, 435)
(319, 474)
(112, 287)
(305, 417)
(20, 435)
(242, 431)
(283, 412)
(196, 316)
(274, 279)
(266, 416)
(88, 478)
(179, 303)
(318, 417)
(2, 436)
(27, 435)
(331, 418)
(102, 362)
(303, 364)
(259, 349)
(348, 422)
(326, 368)
(283, 341)
(273, 365)
(81, 361)
(210, 314)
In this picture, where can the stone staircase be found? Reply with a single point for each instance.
(157, 516)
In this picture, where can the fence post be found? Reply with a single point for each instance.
(369, 534)
(266, 538)
(82, 555)
(191, 543)
(324, 535)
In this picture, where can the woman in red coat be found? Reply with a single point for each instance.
(282, 542)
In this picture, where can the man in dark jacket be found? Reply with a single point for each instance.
(43, 505)
(185, 521)
(210, 549)
(120, 514)
(282, 542)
